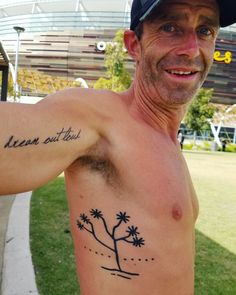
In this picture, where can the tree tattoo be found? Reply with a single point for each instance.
(131, 236)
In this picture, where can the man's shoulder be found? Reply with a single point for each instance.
(94, 110)
(99, 101)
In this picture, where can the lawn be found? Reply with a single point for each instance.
(51, 244)
(214, 177)
(215, 182)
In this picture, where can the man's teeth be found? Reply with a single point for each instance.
(174, 72)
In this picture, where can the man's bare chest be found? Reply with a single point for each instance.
(135, 169)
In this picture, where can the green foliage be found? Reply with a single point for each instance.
(32, 81)
(192, 146)
(207, 146)
(231, 148)
(200, 111)
(117, 77)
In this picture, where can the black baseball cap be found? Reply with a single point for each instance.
(142, 8)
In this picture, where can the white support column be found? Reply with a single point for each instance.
(36, 8)
(39, 8)
(4, 12)
(234, 140)
(80, 7)
(127, 11)
(216, 133)
(77, 7)
(33, 8)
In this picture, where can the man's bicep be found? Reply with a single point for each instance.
(39, 141)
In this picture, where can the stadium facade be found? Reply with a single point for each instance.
(68, 38)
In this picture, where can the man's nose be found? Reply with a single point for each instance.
(189, 45)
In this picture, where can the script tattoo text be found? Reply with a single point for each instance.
(64, 134)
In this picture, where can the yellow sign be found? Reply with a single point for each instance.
(227, 58)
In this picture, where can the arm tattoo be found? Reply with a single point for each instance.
(131, 236)
(65, 135)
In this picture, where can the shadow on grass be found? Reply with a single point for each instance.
(215, 268)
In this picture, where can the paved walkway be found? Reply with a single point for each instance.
(17, 274)
(5, 207)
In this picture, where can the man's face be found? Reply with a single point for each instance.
(177, 48)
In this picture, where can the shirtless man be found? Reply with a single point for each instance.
(132, 204)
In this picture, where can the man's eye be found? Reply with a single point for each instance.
(204, 31)
(168, 28)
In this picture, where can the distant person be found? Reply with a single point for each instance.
(181, 139)
(132, 203)
(224, 144)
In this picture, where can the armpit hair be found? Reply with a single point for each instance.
(97, 164)
(96, 160)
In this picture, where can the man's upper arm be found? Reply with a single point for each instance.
(39, 141)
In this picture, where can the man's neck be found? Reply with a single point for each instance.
(160, 116)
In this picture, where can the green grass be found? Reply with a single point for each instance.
(51, 242)
(214, 178)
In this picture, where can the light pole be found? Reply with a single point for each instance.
(18, 30)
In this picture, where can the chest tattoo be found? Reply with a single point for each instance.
(130, 236)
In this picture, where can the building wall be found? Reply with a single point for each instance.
(69, 54)
(74, 54)
(222, 77)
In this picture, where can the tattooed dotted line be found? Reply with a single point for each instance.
(96, 252)
(124, 259)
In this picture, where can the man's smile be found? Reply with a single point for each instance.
(182, 74)
(176, 72)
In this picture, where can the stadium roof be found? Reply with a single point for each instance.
(57, 15)
(8, 7)
(94, 10)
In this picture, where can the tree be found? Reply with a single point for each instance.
(130, 236)
(200, 111)
(117, 77)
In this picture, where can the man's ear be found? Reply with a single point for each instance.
(132, 44)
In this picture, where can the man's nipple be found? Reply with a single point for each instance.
(177, 212)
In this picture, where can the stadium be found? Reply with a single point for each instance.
(67, 39)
